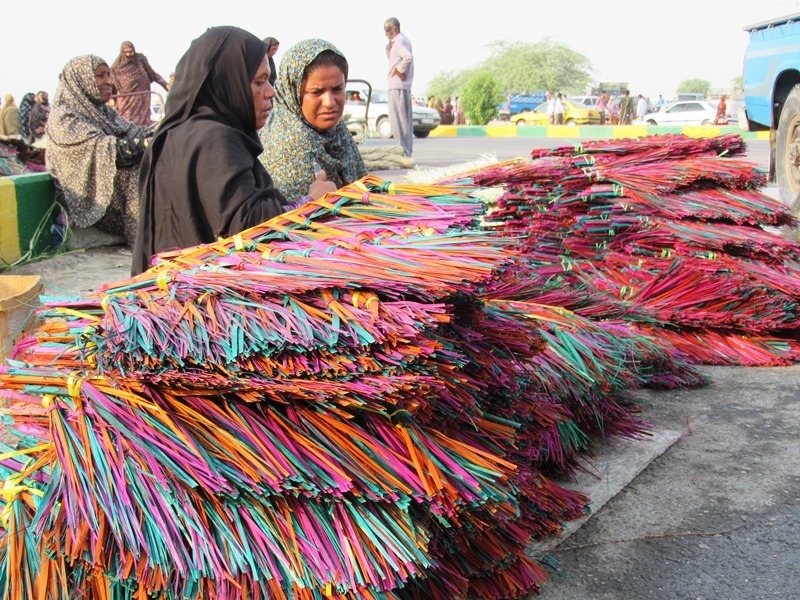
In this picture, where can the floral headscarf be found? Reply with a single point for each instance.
(292, 145)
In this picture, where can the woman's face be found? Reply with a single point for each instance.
(273, 49)
(102, 75)
(263, 93)
(322, 97)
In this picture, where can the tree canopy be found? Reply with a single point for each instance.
(481, 94)
(523, 67)
(694, 86)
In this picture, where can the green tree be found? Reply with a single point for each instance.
(737, 83)
(694, 86)
(541, 66)
(523, 67)
(481, 96)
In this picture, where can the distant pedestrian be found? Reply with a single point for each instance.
(272, 47)
(24, 115)
(459, 112)
(559, 110)
(9, 121)
(551, 108)
(602, 106)
(132, 75)
(439, 107)
(661, 103)
(449, 116)
(613, 110)
(401, 76)
(37, 122)
(626, 109)
(722, 113)
(641, 108)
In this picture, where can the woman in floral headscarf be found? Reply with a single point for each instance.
(94, 154)
(305, 132)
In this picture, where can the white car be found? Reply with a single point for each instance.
(589, 101)
(425, 119)
(694, 112)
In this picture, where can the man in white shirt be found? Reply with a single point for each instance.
(401, 76)
(641, 108)
(558, 110)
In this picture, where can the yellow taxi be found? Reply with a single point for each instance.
(573, 115)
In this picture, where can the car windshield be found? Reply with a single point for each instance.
(687, 107)
(380, 96)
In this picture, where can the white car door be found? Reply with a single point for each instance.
(674, 115)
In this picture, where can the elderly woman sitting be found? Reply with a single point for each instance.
(94, 154)
(306, 132)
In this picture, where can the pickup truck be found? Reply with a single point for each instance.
(772, 97)
(518, 103)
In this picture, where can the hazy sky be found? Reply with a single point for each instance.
(652, 46)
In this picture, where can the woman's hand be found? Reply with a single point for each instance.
(321, 186)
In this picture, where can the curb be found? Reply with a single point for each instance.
(590, 131)
(24, 200)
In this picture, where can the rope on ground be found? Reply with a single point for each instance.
(383, 158)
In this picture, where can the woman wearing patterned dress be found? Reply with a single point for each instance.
(94, 154)
(131, 77)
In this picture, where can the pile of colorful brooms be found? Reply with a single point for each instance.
(368, 397)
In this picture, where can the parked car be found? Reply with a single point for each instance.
(584, 100)
(425, 119)
(695, 112)
(686, 97)
(573, 115)
(156, 108)
(518, 103)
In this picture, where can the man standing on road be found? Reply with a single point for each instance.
(641, 108)
(401, 76)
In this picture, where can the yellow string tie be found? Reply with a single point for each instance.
(74, 384)
(238, 243)
(162, 280)
(12, 489)
(355, 299)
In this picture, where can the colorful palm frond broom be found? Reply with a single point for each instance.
(367, 397)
